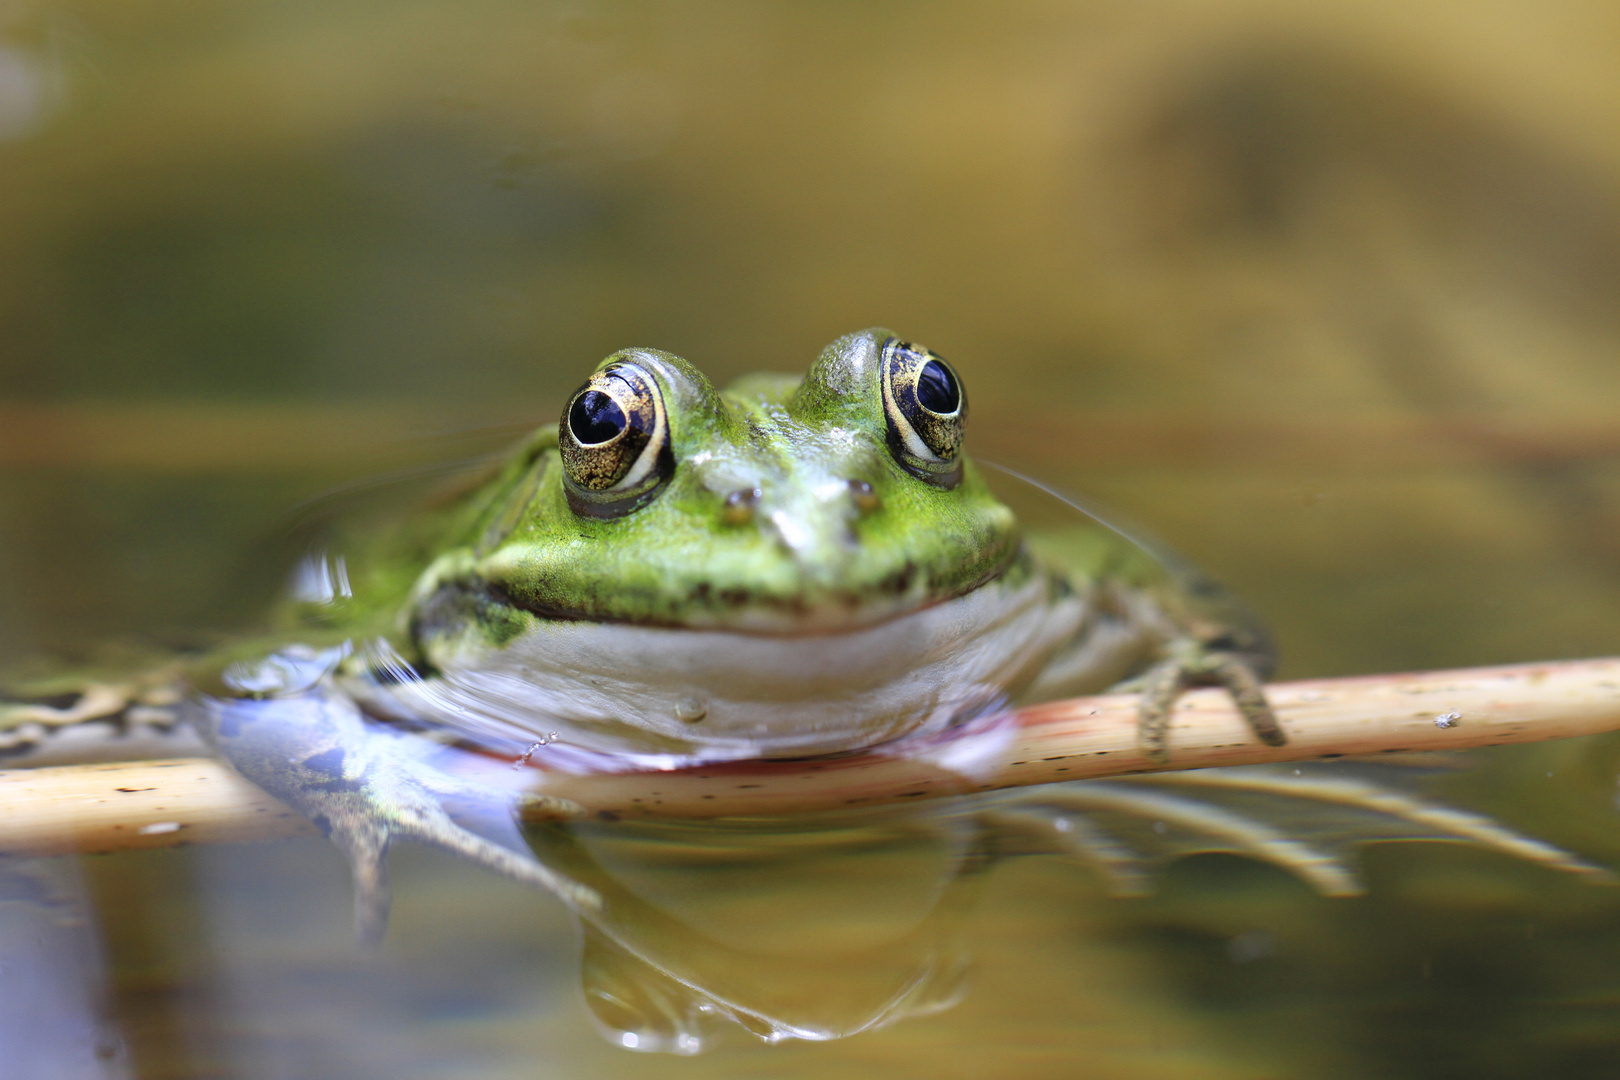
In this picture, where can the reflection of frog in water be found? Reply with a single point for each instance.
(675, 575)
(836, 923)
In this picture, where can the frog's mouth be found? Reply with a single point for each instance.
(745, 611)
(806, 609)
(660, 695)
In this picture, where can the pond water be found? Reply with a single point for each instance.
(1322, 297)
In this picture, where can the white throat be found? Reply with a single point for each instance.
(660, 697)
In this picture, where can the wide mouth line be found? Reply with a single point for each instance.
(879, 612)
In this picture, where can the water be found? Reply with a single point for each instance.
(1323, 298)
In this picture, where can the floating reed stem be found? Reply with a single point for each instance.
(114, 807)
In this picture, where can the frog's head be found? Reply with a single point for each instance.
(775, 505)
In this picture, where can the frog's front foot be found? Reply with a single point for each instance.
(1193, 663)
(364, 788)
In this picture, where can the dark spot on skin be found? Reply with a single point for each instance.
(329, 763)
(738, 507)
(865, 499)
(741, 787)
(1060, 757)
(455, 606)
(134, 789)
(911, 794)
(899, 581)
(607, 815)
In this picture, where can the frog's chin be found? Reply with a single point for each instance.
(645, 696)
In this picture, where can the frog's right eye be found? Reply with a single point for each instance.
(926, 411)
(614, 440)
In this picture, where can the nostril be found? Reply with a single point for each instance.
(866, 500)
(738, 507)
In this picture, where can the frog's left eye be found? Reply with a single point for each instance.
(926, 410)
(614, 440)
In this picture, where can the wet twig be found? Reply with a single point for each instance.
(111, 807)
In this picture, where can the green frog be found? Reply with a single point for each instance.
(675, 574)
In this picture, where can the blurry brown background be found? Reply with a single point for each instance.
(1324, 294)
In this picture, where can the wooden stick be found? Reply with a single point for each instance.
(128, 805)
(98, 808)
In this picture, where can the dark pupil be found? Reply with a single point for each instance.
(595, 417)
(936, 390)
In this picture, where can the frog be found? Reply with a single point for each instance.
(675, 574)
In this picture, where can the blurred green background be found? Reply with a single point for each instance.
(1326, 295)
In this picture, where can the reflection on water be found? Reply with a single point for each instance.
(927, 935)
(811, 931)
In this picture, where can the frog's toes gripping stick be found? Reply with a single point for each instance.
(1191, 663)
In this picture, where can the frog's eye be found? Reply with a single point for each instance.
(614, 440)
(926, 410)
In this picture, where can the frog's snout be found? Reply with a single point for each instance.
(738, 507)
(814, 525)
